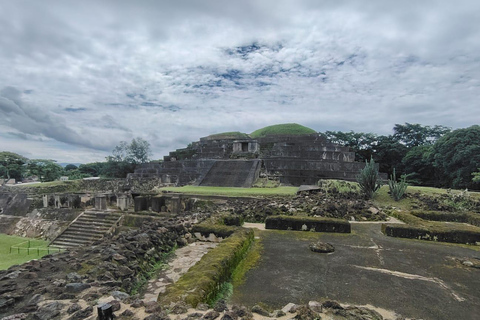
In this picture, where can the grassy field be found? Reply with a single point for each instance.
(233, 192)
(19, 256)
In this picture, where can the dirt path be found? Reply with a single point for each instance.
(184, 258)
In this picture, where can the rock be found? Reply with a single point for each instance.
(321, 247)
(137, 303)
(158, 316)
(152, 307)
(73, 308)
(119, 295)
(127, 313)
(278, 313)
(6, 302)
(305, 313)
(73, 277)
(7, 287)
(48, 311)
(257, 309)
(315, 306)
(18, 316)
(229, 316)
(115, 305)
(82, 314)
(203, 307)
(36, 298)
(220, 306)
(242, 312)
(13, 275)
(332, 305)
(195, 315)
(289, 308)
(210, 315)
(76, 287)
(179, 308)
(468, 263)
(119, 258)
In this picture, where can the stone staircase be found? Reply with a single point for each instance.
(232, 173)
(87, 228)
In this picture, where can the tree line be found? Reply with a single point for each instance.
(427, 155)
(123, 160)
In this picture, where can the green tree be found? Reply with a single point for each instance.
(457, 156)
(418, 165)
(12, 165)
(476, 176)
(359, 142)
(93, 169)
(125, 157)
(45, 170)
(388, 153)
(69, 167)
(369, 179)
(413, 135)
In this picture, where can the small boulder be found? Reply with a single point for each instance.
(321, 247)
(258, 309)
(211, 315)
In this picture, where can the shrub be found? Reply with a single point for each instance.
(369, 179)
(397, 188)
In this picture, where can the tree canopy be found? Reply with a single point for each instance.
(11, 165)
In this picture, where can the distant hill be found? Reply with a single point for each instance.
(64, 164)
(282, 129)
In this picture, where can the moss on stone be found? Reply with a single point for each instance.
(204, 280)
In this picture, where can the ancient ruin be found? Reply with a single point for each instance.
(235, 159)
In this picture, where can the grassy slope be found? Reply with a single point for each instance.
(8, 259)
(382, 198)
(281, 129)
(233, 192)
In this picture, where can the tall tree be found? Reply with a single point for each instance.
(125, 157)
(457, 156)
(12, 165)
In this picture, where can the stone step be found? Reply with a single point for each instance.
(89, 227)
(81, 229)
(93, 223)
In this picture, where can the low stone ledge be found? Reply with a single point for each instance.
(307, 224)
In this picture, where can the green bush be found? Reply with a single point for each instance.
(397, 188)
(369, 179)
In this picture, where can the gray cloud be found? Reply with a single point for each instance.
(172, 71)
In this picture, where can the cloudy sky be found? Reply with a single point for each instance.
(78, 77)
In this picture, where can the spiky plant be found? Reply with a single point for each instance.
(397, 188)
(369, 179)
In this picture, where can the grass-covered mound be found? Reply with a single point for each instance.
(307, 224)
(418, 228)
(281, 129)
(204, 280)
(228, 135)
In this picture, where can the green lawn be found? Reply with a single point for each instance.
(19, 256)
(233, 192)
